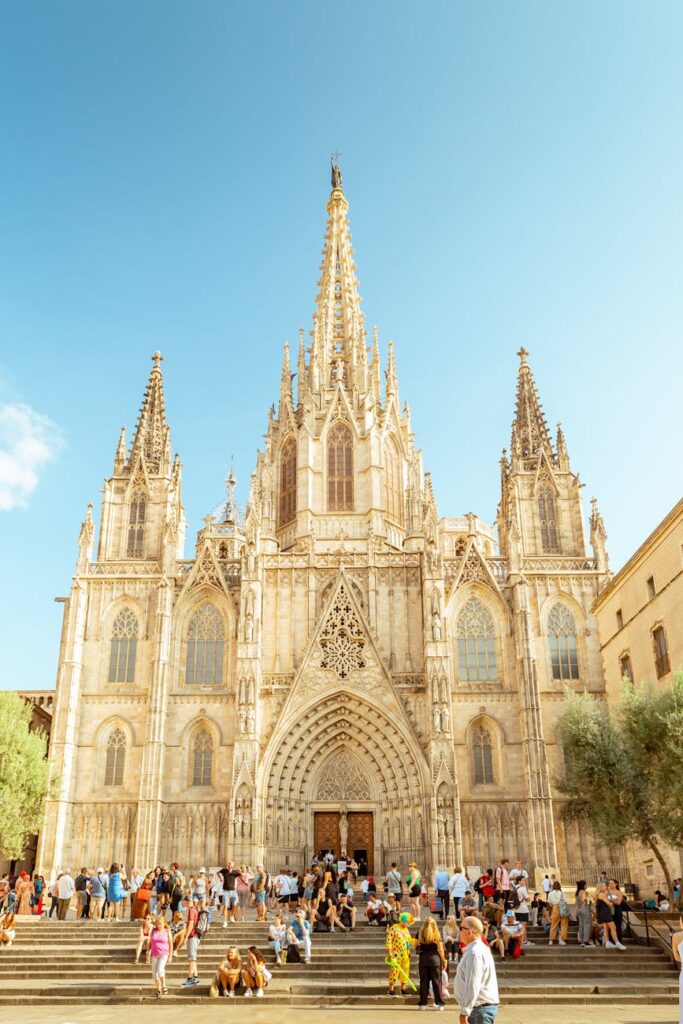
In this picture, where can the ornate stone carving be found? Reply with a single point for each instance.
(342, 638)
(342, 779)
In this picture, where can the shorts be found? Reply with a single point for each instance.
(284, 898)
(159, 967)
(192, 948)
(308, 893)
(81, 897)
(415, 891)
(260, 896)
(229, 897)
(522, 916)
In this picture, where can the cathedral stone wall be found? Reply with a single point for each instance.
(340, 665)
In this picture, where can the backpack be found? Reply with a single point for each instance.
(293, 955)
(564, 907)
(203, 924)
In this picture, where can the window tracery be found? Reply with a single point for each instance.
(562, 641)
(342, 638)
(202, 759)
(475, 633)
(136, 525)
(115, 758)
(342, 779)
(340, 469)
(287, 508)
(204, 663)
(123, 650)
(482, 752)
(548, 520)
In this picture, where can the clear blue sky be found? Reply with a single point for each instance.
(514, 173)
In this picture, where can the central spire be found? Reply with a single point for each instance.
(529, 429)
(338, 355)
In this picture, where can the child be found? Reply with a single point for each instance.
(7, 931)
(178, 930)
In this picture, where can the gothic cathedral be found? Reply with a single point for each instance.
(339, 666)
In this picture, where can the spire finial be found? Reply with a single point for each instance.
(157, 359)
(523, 353)
(335, 169)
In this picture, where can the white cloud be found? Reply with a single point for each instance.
(28, 441)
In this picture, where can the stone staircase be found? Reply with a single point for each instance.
(71, 962)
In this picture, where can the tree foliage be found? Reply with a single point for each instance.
(624, 773)
(23, 775)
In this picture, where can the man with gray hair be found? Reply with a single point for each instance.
(476, 987)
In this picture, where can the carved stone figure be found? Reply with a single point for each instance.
(238, 823)
(247, 823)
(280, 832)
(249, 627)
(242, 720)
(437, 718)
(343, 830)
(436, 626)
(251, 721)
(445, 718)
(250, 696)
(243, 691)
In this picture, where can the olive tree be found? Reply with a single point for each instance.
(23, 775)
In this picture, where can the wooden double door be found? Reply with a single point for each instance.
(360, 843)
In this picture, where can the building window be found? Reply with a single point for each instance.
(483, 756)
(651, 591)
(547, 520)
(392, 481)
(562, 641)
(620, 619)
(287, 483)
(136, 525)
(204, 665)
(625, 667)
(116, 758)
(662, 665)
(124, 645)
(476, 643)
(202, 759)
(340, 469)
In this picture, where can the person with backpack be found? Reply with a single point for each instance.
(559, 914)
(198, 922)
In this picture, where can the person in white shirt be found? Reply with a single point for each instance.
(65, 890)
(282, 887)
(517, 874)
(476, 986)
(458, 884)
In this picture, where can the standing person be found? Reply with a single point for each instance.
(160, 952)
(547, 886)
(192, 941)
(677, 949)
(399, 945)
(242, 885)
(559, 914)
(136, 880)
(54, 896)
(39, 891)
(431, 962)
(23, 892)
(441, 883)
(618, 901)
(259, 888)
(114, 892)
(476, 986)
(199, 885)
(584, 914)
(451, 939)
(393, 882)
(605, 914)
(254, 976)
(82, 900)
(143, 895)
(65, 890)
(230, 876)
(458, 884)
(503, 879)
(414, 883)
(485, 886)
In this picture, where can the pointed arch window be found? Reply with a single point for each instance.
(136, 525)
(124, 646)
(340, 469)
(204, 664)
(202, 759)
(548, 520)
(482, 753)
(392, 481)
(116, 758)
(287, 510)
(476, 637)
(562, 641)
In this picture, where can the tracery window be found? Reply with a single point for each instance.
(124, 645)
(482, 752)
(116, 758)
(202, 759)
(392, 481)
(548, 520)
(287, 510)
(340, 469)
(562, 640)
(136, 525)
(204, 664)
(476, 643)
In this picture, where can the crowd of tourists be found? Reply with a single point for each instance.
(174, 913)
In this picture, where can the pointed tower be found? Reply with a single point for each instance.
(142, 515)
(539, 489)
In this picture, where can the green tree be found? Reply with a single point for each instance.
(23, 775)
(624, 772)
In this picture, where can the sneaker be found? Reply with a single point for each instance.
(422, 1007)
(307, 961)
(562, 942)
(231, 993)
(529, 943)
(188, 981)
(441, 1006)
(247, 994)
(590, 944)
(195, 981)
(225, 924)
(259, 993)
(551, 942)
(610, 945)
(620, 945)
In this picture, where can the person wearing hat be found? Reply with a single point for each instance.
(513, 931)
(399, 947)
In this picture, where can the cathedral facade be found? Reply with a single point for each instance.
(340, 666)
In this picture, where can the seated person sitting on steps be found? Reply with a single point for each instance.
(228, 974)
(346, 914)
(375, 911)
(254, 976)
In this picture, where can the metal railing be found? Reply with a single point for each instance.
(658, 931)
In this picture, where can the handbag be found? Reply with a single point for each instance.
(564, 906)
(143, 895)
(445, 994)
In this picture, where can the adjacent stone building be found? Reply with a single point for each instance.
(342, 666)
(640, 623)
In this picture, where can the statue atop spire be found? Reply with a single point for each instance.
(228, 513)
(336, 170)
